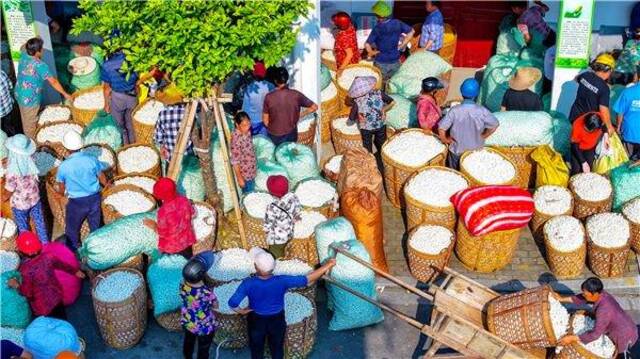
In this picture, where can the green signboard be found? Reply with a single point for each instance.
(574, 33)
(19, 24)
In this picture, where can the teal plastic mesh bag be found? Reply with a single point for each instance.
(298, 160)
(264, 147)
(402, 114)
(561, 134)
(626, 184)
(406, 86)
(338, 229)
(46, 337)
(424, 64)
(522, 128)
(103, 129)
(325, 77)
(164, 276)
(506, 44)
(14, 308)
(190, 181)
(616, 91)
(266, 169)
(79, 82)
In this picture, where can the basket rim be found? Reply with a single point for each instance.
(52, 124)
(38, 124)
(126, 187)
(132, 174)
(103, 275)
(359, 64)
(105, 147)
(336, 131)
(628, 204)
(607, 250)
(489, 149)
(417, 203)
(79, 92)
(137, 144)
(387, 159)
(571, 202)
(428, 255)
(139, 106)
(551, 248)
(243, 207)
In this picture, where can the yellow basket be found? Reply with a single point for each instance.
(342, 141)
(565, 265)
(607, 262)
(57, 147)
(634, 227)
(82, 116)
(486, 253)
(583, 208)
(477, 182)
(109, 213)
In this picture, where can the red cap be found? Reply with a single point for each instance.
(164, 189)
(342, 20)
(278, 185)
(28, 243)
(259, 70)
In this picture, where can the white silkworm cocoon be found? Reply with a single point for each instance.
(297, 308)
(45, 162)
(305, 227)
(82, 65)
(603, 346)
(232, 264)
(608, 230)
(631, 210)
(559, 317)
(93, 100)
(54, 113)
(117, 286)
(489, 167)
(9, 261)
(54, 133)
(333, 165)
(8, 228)
(329, 92)
(435, 187)
(305, 123)
(291, 267)
(340, 125)
(413, 148)
(148, 113)
(564, 233)
(430, 239)
(223, 294)
(144, 183)
(204, 222)
(137, 159)
(346, 77)
(591, 186)
(256, 203)
(315, 193)
(103, 155)
(129, 202)
(552, 200)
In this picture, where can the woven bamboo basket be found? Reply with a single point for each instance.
(607, 262)
(170, 321)
(441, 95)
(583, 208)
(58, 204)
(576, 351)
(155, 171)
(634, 228)
(8, 243)
(343, 93)
(523, 318)
(539, 219)
(309, 292)
(328, 110)
(308, 137)
(449, 42)
(109, 213)
(525, 166)
(328, 209)
(301, 337)
(396, 174)
(303, 249)
(424, 266)
(143, 132)
(421, 213)
(565, 265)
(342, 141)
(57, 147)
(109, 171)
(328, 61)
(328, 174)
(207, 243)
(476, 182)
(487, 253)
(120, 177)
(83, 116)
(253, 228)
(390, 131)
(135, 263)
(40, 123)
(122, 323)
(232, 327)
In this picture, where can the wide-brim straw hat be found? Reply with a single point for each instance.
(524, 78)
(362, 85)
(20, 144)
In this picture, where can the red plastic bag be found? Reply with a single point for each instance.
(71, 285)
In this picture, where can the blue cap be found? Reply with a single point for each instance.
(470, 88)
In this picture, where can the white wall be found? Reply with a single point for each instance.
(349, 6)
(611, 13)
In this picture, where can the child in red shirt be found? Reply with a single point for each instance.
(585, 135)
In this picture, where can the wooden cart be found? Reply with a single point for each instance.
(457, 317)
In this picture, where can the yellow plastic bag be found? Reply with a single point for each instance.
(610, 157)
(551, 169)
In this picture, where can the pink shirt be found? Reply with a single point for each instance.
(26, 193)
(428, 112)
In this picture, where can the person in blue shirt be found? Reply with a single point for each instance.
(433, 28)
(385, 37)
(79, 177)
(628, 124)
(120, 97)
(266, 302)
(253, 99)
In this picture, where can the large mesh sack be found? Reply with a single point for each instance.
(298, 160)
(626, 184)
(325, 77)
(358, 169)
(71, 285)
(164, 276)
(220, 172)
(561, 134)
(104, 130)
(402, 114)
(119, 240)
(46, 337)
(497, 74)
(264, 148)
(522, 128)
(190, 181)
(507, 44)
(266, 169)
(424, 64)
(350, 311)
(364, 210)
(14, 308)
(614, 94)
(338, 229)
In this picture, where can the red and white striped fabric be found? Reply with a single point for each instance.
(487, 209)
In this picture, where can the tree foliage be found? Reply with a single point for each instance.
(198, 42)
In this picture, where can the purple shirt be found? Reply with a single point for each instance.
(611, 320)
(467, 122)
(533, 19)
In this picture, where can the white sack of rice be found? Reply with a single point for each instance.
(435, 187)
(129, 202)
(7, 228)
(315, 193)
(329, 92)
(552, 200)
(93, 100)
(341, 125)
(54, 133)
(204, 221)
(489, 167)
(45, 162)
(9, 261)
(232, 264)
(117, 286)
(291, 267)
(54, 113)
(559, 317)
(631, 210)
(148, 113)
(142, 182)
(137, 159)
(608, 230)
(413, 148)
(297, 308)
(591, 186)
(430, 239)
(564, 233)
(103, 155)
(224, 293)
(333, 165)
(603, 346)
(82, 65)
(305, 123)
(305, 227)
(346, 77)
(256, 203)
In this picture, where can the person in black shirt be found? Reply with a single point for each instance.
(518, 97)
(593, 91)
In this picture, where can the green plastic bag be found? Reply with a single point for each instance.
(499, 71)
(403, 113)
(298, 160)
(611, 157)
(424, 64)
(624, 180)
(615, 92)
(190, 181)
(14, 308)
(265, 149)
(506, 44)
(325, 77)
(551, 168)
(164, 276)
(103, 129)
(561, 134)
(266, 169)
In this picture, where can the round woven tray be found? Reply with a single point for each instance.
(109, 213)
(8, 243)
(308, 137)
(301, 337)
(57, 147)
(424, 266)
(143, 133)
(525, 166)
(209, 241)
(136, 263)
(81, 116)
(583, 208)
(122, 323)
(40, 123)
(607, 262)
(396, 174)
(565, 265)
(329, 175)
(343, 93)
(487, 253)
(152, 171)
(476, 182)
(342, 141)
(421, 213)
(539, 219)
(58, 205)
(170, 321)
(232, 331)
(303, 249)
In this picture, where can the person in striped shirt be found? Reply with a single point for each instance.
(433, 28)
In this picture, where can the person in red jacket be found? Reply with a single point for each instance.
(586, 132)
(39, 285)
(345, 48)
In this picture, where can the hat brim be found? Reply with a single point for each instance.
(31, 149)
(521, 85)
(365, 85)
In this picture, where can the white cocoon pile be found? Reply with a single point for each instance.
(144, 183)
(305, 227)
(137, 159)
(305, 123)
(54, 114)
(128, 202)
(103, 155)
(45, 162)
(9, 261)
(431, 239)
(256, 203)
(117, 286)
(608, 230)
(232, 264)
(347, 75)
(559, 317)
(333, 165)
(564, 233)
(203, 222)
(315, 193)
(12, 334)
(223, 294)
(291, 267)
(148, 113)
(631, 210)
(328, 55)
(435, 187)
(82, 65)
(297, 308)
(413, 148)
(489, 167)
(329, 92)
(9, 226)
(552, 200)
(603, 346)
(340, 124)
(90, 101)
(54, 133)
(591, 186)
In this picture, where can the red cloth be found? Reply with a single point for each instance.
(42, 290)
(259, 70)
(428, 113)
(278, 185)
(71, 285)
(28, 243)
(487, 209)
(585, 140)
(346, 39)
(175, 231)
(165, 189)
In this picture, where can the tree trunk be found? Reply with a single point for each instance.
(202, 143)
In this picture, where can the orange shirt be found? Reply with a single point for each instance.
(585, 140)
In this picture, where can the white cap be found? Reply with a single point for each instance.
(263, 260)
(72, 141)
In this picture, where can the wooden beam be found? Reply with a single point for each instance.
(184, 136)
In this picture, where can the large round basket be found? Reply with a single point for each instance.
(565, 265)
(328, 60)
(303, 249)
(583, 208)
(121, 177)
(523, 318)
(8, 243)
(58, 204)
(539, 219)
(57, 147)
(253, 229)
(424, 266)
(207, 243)
(170, 321)
(328, 109)
(328, 209)
(396, 174)
(343, 93)
(421, 213)
(476, 182)
(301, 337)
(40, 123)
(343, 141)
(487, 253)
(577, 351)
(155, 171)
(136, 263)
(607, 262)
(109, 213)
(525, 166)
(308, 137)
(122, 323)
(634, 228)
(111, 170)
(231, 331)
(80, 115)
(143, 132)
